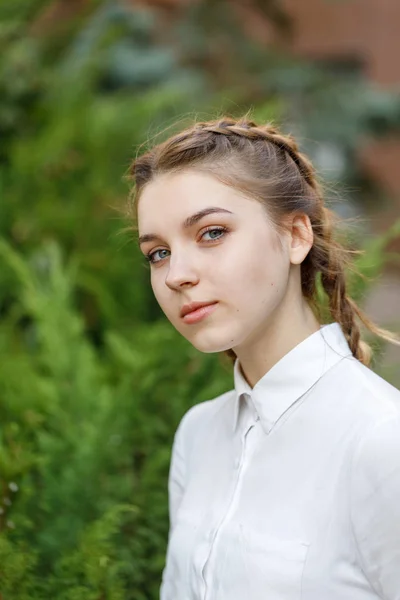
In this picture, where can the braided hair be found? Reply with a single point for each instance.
(267, 165)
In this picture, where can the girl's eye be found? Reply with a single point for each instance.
(214, 233)
(152, 257)
(218, 231)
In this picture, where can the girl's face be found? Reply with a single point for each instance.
(209, 244)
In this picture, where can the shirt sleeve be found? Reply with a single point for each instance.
(375, 506)
(176, 477)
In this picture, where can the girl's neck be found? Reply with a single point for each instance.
(281, 334)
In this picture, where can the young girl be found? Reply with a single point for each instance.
(288, 486)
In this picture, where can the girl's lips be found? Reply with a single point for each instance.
(201, 313)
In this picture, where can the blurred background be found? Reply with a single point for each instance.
(93, 381)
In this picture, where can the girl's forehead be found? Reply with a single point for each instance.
(186, 186)
(179, 195)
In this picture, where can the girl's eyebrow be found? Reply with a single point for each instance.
(189, 222)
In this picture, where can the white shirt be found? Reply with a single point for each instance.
(289, 490)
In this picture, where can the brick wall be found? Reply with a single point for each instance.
(366, 31)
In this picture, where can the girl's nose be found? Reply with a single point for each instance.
(181, 272)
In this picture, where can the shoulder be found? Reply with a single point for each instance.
(200, 415)
(378, 450)
(199, 419)
(374, 383)
(370, 397)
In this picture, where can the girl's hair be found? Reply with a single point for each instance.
(261, 162)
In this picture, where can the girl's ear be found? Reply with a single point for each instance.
(300, 237)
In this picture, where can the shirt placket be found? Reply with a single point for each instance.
(209, 579)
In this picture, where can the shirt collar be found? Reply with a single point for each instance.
(292, 376)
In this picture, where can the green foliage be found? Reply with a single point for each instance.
(372, 261)
(17, 567)
(86, 439)
(88, 400)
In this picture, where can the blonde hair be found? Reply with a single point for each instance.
(266, 165)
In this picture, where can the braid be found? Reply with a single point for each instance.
(331, 259)
(342, 308)
(268, 133)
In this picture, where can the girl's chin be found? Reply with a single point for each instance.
(211, 346)
(216, 337)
